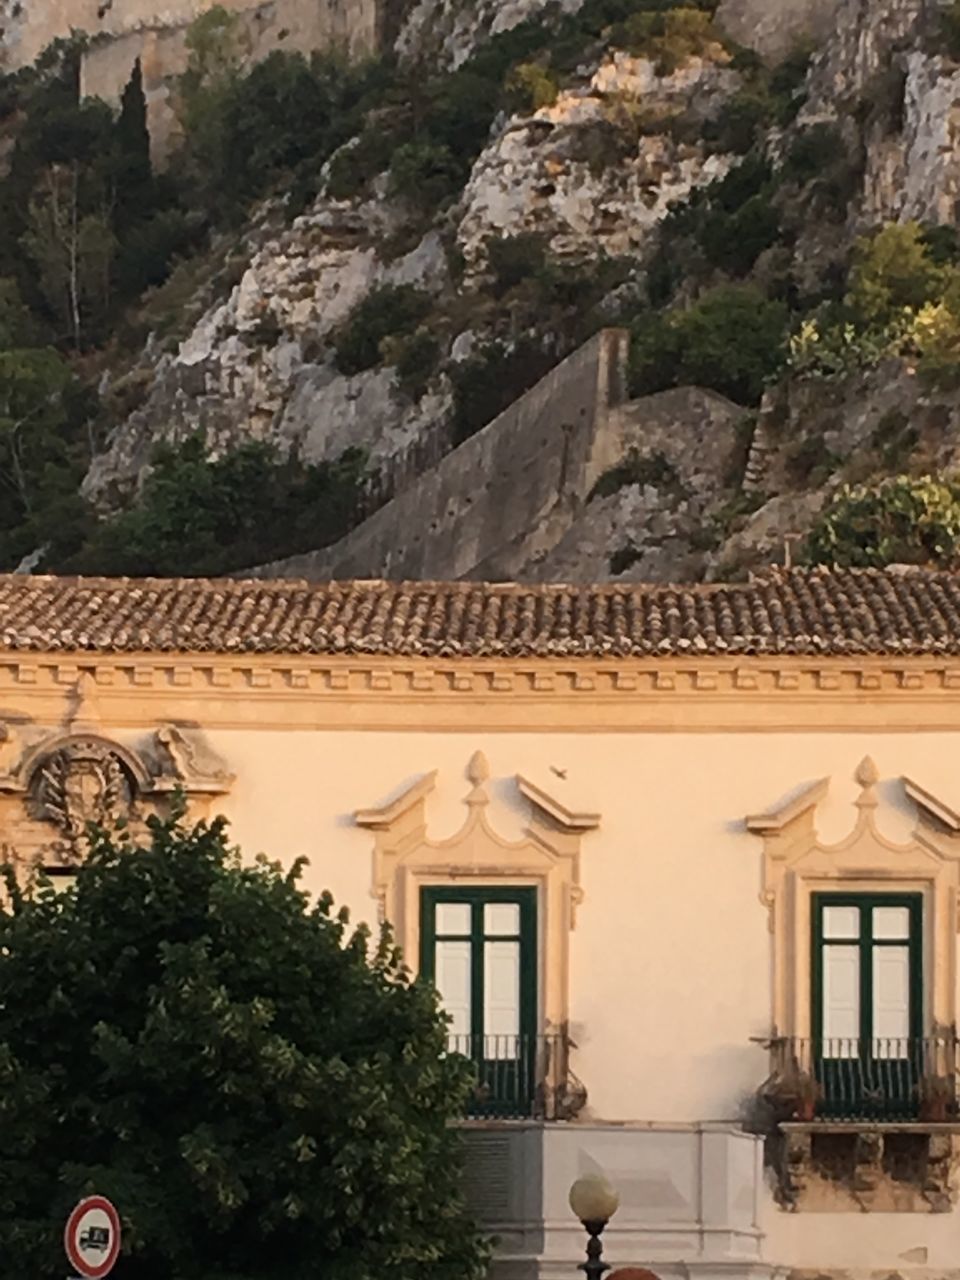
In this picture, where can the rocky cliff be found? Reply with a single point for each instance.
(614, 169)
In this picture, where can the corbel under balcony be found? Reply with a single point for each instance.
(879, 1167)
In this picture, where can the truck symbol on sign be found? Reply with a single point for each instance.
(95, 1238)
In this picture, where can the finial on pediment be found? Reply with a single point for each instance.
(478, 772)
(84, 714)
(867, 776)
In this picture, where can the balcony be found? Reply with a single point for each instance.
(864, 1080)
(521, 1077)
(864, 1125)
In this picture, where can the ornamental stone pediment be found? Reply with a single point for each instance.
(547, 856)
(54, 785)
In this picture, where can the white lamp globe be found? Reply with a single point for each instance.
(593, 1199)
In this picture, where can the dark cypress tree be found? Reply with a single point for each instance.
(134, 175)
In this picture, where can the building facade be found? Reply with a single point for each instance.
(683, 863)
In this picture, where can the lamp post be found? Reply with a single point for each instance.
(594, 1201)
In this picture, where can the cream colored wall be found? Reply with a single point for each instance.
(670, 957)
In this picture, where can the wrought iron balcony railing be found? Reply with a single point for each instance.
(521, 1077)
(887, 1078)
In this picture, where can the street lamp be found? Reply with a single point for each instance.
(594, 1201)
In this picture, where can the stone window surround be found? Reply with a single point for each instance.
(405, 860)
(796, 865)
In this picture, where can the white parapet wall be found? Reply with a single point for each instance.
(690, 1197)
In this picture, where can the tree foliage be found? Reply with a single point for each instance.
(901, 520)
(42, 445)
(950, 28)
(892, 269)
(209, 516)
(389, 311)
(731, 340)
(262, 1092)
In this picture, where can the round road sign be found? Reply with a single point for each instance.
(92, 1237)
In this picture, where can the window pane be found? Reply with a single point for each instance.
(841, 999)
(501, 918)
(453, 982)
(501, 987)
(453, 917)
(891, 922)
(891, 1001)
(841, 922)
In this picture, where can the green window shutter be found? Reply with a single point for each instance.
(867, 991)
(865, 947)
(478, 946)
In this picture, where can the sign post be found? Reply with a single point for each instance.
(92, 1238)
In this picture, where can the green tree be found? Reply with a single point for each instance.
(216, 45)
(133, 172)
(43, 453)
(244, 132)
(262, 1092)
(428, 174)
(731, 340)
(198, 515)
(388, 311)
(73, 252)
(901, 520)
(950, 28)
(491, 379)
(892, 269)
(531, 86)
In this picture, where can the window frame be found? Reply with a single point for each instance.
(865, 902)
(478, 896)
(546, 856)
(797, 864)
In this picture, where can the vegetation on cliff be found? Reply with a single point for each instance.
(755, 281)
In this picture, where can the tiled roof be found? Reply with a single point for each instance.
(799, 612)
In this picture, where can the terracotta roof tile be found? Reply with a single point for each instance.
(797, 612)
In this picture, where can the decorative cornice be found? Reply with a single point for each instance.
(309, 692)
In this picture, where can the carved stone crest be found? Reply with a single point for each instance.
(83, 782)
(55, 783)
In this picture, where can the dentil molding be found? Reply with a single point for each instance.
(354, 692)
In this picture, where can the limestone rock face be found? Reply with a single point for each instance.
(446, 32)
(594, 173)
(641, 534)
(916, 174)
(765, 535)
(551, 172)
(865, 36)
(775, 29)
(683, 446)
(258, 365)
